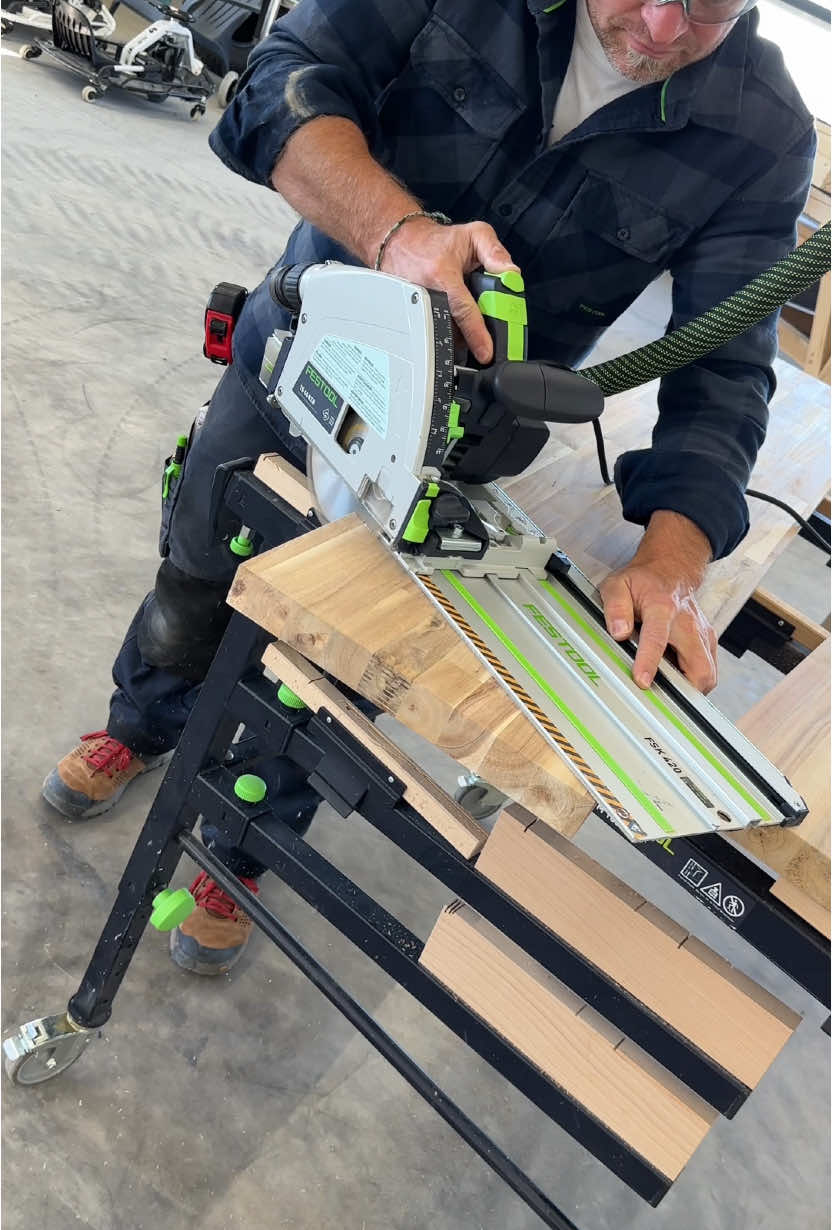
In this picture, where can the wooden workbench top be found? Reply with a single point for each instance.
(562, 489)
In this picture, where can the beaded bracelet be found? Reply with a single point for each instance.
(433, 216)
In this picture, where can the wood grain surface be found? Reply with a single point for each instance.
(438, 808)
(562, 489)
(577, 1049)
(720, 1010)
(790, 725)
(344, 601)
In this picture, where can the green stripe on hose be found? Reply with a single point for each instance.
(733, 316)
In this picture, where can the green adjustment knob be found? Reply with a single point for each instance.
(250, 788)
(289, 698)
(171, 908)
(241, 545)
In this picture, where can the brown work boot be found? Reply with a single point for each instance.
(94, 776)
(213, 937)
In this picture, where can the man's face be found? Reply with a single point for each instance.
(645, 42)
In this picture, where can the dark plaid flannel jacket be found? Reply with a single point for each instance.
(703, 176)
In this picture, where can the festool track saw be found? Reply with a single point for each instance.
(413, 442)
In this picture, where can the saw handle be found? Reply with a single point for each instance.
(501, 297)
(543, 391)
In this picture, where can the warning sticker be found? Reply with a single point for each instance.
(361, 375)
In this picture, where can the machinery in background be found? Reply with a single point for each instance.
(159, 63)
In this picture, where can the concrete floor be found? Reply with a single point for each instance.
(248, 1103)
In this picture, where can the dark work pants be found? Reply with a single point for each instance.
(150, 705)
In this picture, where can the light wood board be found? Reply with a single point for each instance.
(562, 489)
(344, 601)
(592, 1062)
(720, 1010)
(446, 816)
(284, 479)
(790, 725)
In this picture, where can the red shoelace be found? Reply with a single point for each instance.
(207, 894)
(110, 754)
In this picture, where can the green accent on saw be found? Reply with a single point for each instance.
(171, 908)
(499, 305)
(455, 432)
(250, 788)
(552, 7)
(663, 101)
(510, 308)
(511, 279)
(651, 696)
(417, 527)
(289, 698)
(181, 441)
(241, 546)
(571, 717)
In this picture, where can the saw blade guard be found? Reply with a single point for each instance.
(368, 382)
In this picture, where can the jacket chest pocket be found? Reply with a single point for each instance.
(447, 113)
(607, 246)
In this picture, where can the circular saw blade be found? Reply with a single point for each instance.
(333, 496)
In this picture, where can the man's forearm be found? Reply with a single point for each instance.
(326, 173)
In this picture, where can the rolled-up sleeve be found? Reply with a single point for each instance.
(325, 57)
(713, 414)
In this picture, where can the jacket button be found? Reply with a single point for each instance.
(623, 233)
(460, 94)
(505, 210)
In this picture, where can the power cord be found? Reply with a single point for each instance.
(808, 529)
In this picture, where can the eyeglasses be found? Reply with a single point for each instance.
(710, 12)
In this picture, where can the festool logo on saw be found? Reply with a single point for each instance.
(569, 651)
(327, 389)
(319, 395)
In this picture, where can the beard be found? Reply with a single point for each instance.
(641, 68)
(632, 64)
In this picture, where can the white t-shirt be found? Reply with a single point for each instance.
(590, 82)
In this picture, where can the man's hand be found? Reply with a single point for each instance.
(327, 174)
(658, 588)
(438, 257)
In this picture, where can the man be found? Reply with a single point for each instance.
(591, 143)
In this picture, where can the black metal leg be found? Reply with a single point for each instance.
(209, 731)
(516, 1179)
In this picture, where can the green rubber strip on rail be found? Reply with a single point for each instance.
(571, 717)
(651, 696)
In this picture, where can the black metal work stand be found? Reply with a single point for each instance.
(200, 782)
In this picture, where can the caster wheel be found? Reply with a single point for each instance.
(198, 111)
(89, 93)
(29, 51)
(6, 26)
(227, 89)
(42, 1049)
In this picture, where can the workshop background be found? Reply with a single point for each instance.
(250, 1102)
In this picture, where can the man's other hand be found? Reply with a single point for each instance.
(658, 589)
(439, 257)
